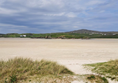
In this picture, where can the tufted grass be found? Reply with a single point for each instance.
(108, 69)
(22, 69)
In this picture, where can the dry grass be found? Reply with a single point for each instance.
(20, 69)
(108, 69)
(23, 70)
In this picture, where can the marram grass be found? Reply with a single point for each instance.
(108, 69)
(23, 70)
(20, 69)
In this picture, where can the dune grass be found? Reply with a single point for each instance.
(20, 69)
(23, 70)
(108, 69)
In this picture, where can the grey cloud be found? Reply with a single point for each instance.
(57, 15)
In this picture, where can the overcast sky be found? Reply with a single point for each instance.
(47, 16)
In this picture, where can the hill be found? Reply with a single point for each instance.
(85, 31)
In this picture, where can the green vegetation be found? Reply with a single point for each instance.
(21, 70)
(108, 69)
(96, 79)
(91, 77)
(60, 35)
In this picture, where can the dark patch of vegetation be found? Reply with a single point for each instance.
(91, 78)
(104, 79)
(13, 79)
(97, 79)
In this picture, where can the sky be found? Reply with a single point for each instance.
(48, 16)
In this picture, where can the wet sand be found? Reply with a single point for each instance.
(69, 52)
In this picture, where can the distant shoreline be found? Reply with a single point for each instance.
(79, 34)
(52, 38)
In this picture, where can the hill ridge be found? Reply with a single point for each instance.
(86, 31)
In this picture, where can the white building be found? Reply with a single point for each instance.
(23, 36)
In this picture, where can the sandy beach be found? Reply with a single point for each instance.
(72, 53)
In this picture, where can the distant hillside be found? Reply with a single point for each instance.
(85, 31)
(77, 34)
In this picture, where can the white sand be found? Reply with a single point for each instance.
(69, 52)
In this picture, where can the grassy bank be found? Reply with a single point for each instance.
(108, 69)
(20, 70)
